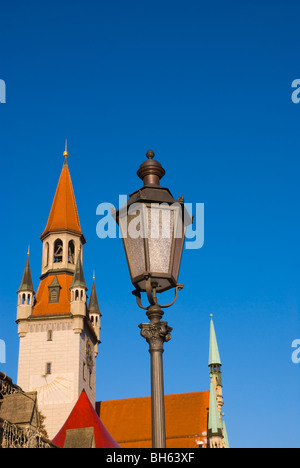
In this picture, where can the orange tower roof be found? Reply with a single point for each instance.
(42, 305)
(63, 215)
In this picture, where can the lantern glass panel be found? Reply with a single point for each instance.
(178, 248)
(160, 221)
(133, 238)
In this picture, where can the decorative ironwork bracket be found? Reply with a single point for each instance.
(152, 297)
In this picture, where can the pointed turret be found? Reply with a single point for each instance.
(78, 278)
(78, 290)
(214, 432)
(25, 299)
(26, 282)
(214, 363)
(94, 312)
(94, 304)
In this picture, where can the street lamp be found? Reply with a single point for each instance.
(153, 225)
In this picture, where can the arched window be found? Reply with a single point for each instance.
(46, 254)
(23, 298)
(76, 295)
(71, 252)
(58, 251)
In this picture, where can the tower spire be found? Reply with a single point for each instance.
(214, 356)
(26, 282)
(78, 278)
(63, 215)
(66, 154)
(94, 304)
(94, 313)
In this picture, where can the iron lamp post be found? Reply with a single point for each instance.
(153, 225)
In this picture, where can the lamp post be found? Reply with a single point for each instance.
(153, 225)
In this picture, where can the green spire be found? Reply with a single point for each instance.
(214, 357)
(94, 304)
(214, 423)
(225, 433)
(78, 278)
(26, 283)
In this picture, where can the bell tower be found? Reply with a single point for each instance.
(62, 237)
(58, 341)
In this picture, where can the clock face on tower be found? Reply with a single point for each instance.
(89, 353)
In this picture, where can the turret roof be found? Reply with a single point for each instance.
(214, 356)
(26, 282)
(78, 278)
(94, 304)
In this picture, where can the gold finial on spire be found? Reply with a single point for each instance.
(28, 251)
(94, 277)
(66, 154)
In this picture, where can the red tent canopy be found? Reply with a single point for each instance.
(82, 416)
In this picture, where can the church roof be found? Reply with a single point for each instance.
(63, 215)
(129, 420)
(82, 416)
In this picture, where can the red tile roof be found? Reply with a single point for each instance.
(42, 305)
(129, 420)
(83, 415)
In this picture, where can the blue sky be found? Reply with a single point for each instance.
(207, 86)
